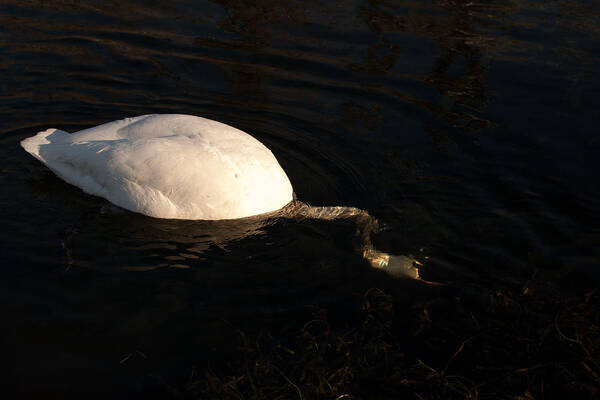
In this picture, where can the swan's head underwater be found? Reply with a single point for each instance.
(186, 167)
(395, 265)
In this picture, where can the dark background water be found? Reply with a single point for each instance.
(469, 128)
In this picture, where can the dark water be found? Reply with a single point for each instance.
(469, 128)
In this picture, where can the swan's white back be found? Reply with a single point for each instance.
(168, 166)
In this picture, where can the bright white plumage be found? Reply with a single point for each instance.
(168, 166)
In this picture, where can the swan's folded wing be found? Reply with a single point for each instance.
(168, 167)
(111, 169)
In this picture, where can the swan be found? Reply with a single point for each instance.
(188, 167)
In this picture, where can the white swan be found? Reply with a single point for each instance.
(168, 166)
(187, 167)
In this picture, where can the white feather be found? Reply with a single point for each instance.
(168, 166)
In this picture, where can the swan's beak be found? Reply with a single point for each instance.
(397, 266)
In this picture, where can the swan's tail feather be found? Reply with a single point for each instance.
(32, 145)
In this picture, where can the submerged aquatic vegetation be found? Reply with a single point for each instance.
(514, 343)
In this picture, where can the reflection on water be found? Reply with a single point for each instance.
(155, 243)
(468, 129)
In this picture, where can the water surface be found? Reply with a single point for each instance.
(469, 129)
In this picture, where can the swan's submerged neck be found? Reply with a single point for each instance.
(395, 265)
